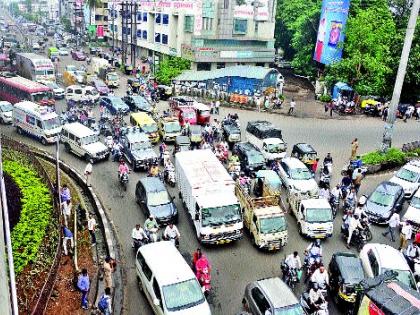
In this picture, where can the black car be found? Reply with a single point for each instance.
(231, 131)
(137, 103)
(345, 272)
(250, 157)
(152, 196)
(386, 199)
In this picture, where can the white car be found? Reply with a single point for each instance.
(6, 110)
(413, 211)
(408, 177)
(36, 46)
(57, 90)
(297, 177)
(63, 52)
(378, 258)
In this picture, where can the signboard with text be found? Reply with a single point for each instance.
(251, 9)
(169, 5)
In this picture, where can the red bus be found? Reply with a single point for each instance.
(14, 89)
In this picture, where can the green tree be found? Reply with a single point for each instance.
(368, 60)
(170, 67)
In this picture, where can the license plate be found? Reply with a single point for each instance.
(222, 242)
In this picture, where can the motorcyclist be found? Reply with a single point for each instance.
(353, 225)
(116, 151)
(150, 223)
(138, 235)
(320, 277)
(243, 179)
(171, 233)
(316, 298)
(360, 211)
(292, 262)
(313, 252)
(169, 168)
(122, 169)
(154, 170)
(233, 158)
(162, 149)
(324, 192)
(328, 159)
(336, 192)
(351, 198)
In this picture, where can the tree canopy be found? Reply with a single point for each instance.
(170, 67)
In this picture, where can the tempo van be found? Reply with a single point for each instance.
(164, 276)
(36, 121)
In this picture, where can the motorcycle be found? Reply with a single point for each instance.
(335, 205)
(311, 264)
(290, 275)
(152, 234)
(123, 178)
(170, 177)
(349, 204)
(360, 236)
(322, 308)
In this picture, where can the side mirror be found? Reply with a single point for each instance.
(156, 302)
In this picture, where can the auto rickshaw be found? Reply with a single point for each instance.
(182, 143)
(128, 69)
(134, 83)
(195, 134)
(306, 153)
(164, 92)
(267, 183)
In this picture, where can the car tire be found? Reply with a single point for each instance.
(44, 141)
(1, 120)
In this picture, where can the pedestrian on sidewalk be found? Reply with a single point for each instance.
(104, 304)
(83, 284)
(405, 234)
(292, 107)
(65, 193)
(354, 147)
(393, 223)
(66, 210)
(88, 173)
(92, 228)
(67, 236)
(108, 267)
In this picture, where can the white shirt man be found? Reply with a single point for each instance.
(407, 230)
(336, 192)
(88, 173)
(324, 193)
(171, 231)
(138, 233)
(320, 276)
(354, 224)
(394, 220)
(315, 296)
(293, 261)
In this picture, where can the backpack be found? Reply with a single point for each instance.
(103, 303)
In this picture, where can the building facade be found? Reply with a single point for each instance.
(213, 34)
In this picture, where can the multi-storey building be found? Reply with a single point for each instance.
(211, 33)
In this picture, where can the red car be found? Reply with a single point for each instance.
(78, 55)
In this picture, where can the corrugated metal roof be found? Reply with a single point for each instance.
(251, 72)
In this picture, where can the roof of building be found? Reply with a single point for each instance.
(250, 72)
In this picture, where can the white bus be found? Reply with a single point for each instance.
(35, 67)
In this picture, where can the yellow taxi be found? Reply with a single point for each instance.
(146, 124)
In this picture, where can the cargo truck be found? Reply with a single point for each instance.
(35, 67)
(208, 195)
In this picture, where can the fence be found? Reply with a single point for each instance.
(40, 302)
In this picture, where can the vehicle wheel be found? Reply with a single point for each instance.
(88, 158)
(253, 242)
(67, 147)
(369, 235)
(1, 120)
(43, 141)
(140, 284)
(19, 131)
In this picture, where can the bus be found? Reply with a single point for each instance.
(14, 89)
(35, 67)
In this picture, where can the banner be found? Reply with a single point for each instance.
(243, 9)
(328, 48)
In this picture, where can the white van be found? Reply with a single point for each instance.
(79, 93)
(168, 282)
(37, 121)
(83, 142)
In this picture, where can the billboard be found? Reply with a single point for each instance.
(251, 9)
(333, 18)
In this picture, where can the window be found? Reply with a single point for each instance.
(220, 65)
(139, 16)
(260, 300)
(144, 16)
(240, 26)
(138, 33)
(189, 24)
(144, 267)
(373, 263)
(260, 64)
(203, 66)
(157, 37)
(144, 35)
(158, 18)
(39, 123)
(165, 19)
(164, 39)
(156, 290)
(207, 24)
(226, 4)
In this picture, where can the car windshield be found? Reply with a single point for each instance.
(158, 198)
(188, 115)
(272, 225)
(89, 139)
(117, 102)
(149, 128)
(408, 175)
(289, 310)
(415, 202)
(182, 295)
(140, 146)
(256, 159)
(51, 123)
(172, 127)
(275, 148)
(221, 215)
(381, 198)
(318, 215)
(37, 97)
(6, 107)
(300, 174)
(112, 77)
(405, 276)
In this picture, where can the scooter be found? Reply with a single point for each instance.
(204, 278)
(123, 180)
(290, 275)
(335, 205)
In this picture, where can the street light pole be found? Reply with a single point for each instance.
(399, 81)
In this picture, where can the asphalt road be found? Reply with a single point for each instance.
(237, 264)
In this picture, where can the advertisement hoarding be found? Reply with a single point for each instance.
(188, 7)
(328, 48)
(251, 9)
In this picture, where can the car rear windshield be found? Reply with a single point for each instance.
(182, 295)
(408, 175)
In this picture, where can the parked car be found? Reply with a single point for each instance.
(63, 51)
(6, 110)
(78, 55)
(137, 103)
(378, 258)
(100, 86)
(413, 211)
(152, 196)
(271, 295)
(386, 199)
(250, 157)
(115, 105)
(296, 176)
(408, 177)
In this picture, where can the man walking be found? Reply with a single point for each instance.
(217, 107)
(66, 210)
(405, 234)
(108, 270)
(292, 107)
(88, 173)
(393, 223)
(92, 228)
(68, 236)
(354, 147)
(104, 304)
(83, 284)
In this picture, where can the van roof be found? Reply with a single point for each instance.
(35, 109)
(320, 203)
(166, 263)
(79, 130)
(142, 117)
(388, 256)
(152, 184)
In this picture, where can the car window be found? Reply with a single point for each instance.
(156, 290)
(373, 263)
(145, 268)
(260, 300)
(39, 123)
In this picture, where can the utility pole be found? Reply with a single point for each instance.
(4, 207)
(113, 28)
(399, 81)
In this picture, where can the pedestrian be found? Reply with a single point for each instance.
(104, 304)
(331, 108)
(65, 193)
(292, 107)
(357, 181)
(83, 284)
(66, 210)
(88, 173)
(67, 236)
(108, 270)
(393, 223)
(92, 228)
(354, 147)
(405, 234)
(217, 107)
(385, 113)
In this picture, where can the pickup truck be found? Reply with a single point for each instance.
(264, 219)
(314, 215)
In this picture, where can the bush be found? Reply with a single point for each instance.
(29, 232)
(394, 156)
(170, 67)
(325, 98)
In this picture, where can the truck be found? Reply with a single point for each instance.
(35, 67)
(264, 219)
(314, 215)
(208, 195)
(98, 63)
(110, 76)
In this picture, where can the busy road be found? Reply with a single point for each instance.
(236, 264)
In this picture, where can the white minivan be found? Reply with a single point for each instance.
(78, 93)
(168, 282)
